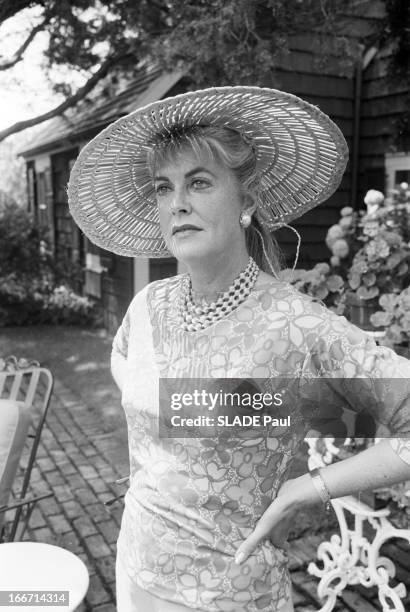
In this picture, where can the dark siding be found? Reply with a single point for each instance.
(383, 102)
(329, 85)
(334, 95)
(117, 288)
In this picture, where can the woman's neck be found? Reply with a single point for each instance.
(208, 282)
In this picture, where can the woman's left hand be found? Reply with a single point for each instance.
(274, 523)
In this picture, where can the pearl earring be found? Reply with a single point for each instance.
(245, 219)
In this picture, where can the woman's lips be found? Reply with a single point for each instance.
(185, 231)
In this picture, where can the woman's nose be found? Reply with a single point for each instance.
(180, 202)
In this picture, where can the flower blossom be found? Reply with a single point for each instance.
(333, 233)
(373, 200)
(340, 248)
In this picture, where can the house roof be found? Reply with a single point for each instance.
(88, 119)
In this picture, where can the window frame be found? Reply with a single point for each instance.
(394, 162)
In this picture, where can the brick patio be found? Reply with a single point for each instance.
(75, 459)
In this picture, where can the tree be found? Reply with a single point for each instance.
(213, 41)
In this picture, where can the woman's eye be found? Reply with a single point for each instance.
(161, 189)
(199, 183)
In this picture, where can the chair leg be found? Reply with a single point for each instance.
(21, 528)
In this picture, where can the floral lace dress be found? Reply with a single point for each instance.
(192, 501)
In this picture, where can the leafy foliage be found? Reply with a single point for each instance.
(341, 239)
(398, 498)
(214, 42)
(19, 243)
(370, 260)
(30, 280)
(320, 283)
(395, 317)
(397, 31)
(370, 249)
(242, 41)
(219, 41)
(381, 265)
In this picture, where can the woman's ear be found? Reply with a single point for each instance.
(249, 203)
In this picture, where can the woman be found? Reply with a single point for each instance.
(206, 176)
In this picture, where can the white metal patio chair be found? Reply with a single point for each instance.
(353, 556)
(25, 391)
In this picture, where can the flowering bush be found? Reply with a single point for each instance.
(20, 300)
(397, 495)
(395, 317)
(370, 250)
(34, 287)
(398, 204)
(381, 265)
(341, 237)
(21, 304)
(319, 282)
(373, 200)
(63, 297)
(370, 258)
(65, 306)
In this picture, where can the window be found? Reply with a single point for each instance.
(397, 169)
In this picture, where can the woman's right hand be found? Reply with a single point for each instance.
(274, 523)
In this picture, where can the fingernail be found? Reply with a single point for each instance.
(239, 557)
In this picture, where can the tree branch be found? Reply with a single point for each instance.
(69, 102)
(18, 55)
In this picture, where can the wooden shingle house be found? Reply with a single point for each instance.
(108, 277)
(365, 105)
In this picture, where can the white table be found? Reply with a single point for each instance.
(34, 567)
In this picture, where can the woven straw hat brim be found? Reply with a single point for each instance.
(301, 156)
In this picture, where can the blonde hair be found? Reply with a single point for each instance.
(228, 146)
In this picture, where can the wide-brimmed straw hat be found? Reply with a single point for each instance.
(300, 155)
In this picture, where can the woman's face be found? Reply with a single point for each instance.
(199, 202)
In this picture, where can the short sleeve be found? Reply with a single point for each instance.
(365, 376)
(121, 338)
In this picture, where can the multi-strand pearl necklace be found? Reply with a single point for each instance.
(194, 316)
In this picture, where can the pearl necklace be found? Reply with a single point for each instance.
(194, 317)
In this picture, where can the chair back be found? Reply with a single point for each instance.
(25, 391)
(25, 381)
(15, 421)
